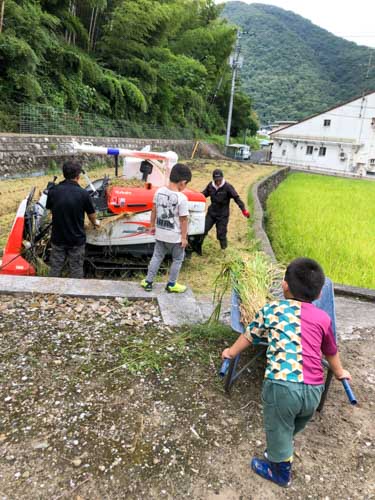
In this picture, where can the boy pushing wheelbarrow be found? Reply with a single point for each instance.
(298, 333)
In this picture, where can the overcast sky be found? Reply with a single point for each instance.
(351, 19)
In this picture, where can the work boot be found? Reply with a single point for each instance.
(196, 244)
(279, 473)
(147, 285)
(223, 244)
(176, 288)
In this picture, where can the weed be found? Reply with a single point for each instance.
(220, 140)
(42, 269)
(154, 351)
(53, 168)
(99, 164)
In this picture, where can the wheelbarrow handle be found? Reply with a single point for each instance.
(349, 392)
(345, 383)
(224, 367)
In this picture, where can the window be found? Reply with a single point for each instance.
(309, 150)
(372, 161)
(284, 152)
(322, 151)
(327, 123)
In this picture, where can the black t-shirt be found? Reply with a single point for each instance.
(68, 203)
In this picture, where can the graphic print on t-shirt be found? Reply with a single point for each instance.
(297, 334)
(166, 206)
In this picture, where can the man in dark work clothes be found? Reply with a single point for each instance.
(68, 203)
(220, 192)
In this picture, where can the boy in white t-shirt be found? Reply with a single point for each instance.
(169, 219)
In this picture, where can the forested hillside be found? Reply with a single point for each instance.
(292, 68)
(157, 62)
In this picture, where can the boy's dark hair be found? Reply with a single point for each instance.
(180, 172)
(71, 169)
(305, 278)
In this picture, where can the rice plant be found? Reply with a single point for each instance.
(252, 276)
(329, 219)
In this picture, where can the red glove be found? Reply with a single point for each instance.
(246, 213)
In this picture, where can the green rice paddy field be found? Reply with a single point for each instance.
(328, 219)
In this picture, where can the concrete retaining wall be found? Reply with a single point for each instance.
(21, 153)
(261, 190)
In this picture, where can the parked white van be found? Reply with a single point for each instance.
(238, 151)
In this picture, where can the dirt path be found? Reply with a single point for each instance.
(200, 272)
(71, 427)
(335, 456)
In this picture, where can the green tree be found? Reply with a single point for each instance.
(155, 61)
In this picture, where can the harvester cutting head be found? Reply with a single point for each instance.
(23, 247)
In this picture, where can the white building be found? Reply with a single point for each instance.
(341, 139)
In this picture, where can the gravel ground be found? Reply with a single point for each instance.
(76, 423)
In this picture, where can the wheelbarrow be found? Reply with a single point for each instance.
(229, 370)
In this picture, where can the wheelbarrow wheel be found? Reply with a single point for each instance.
(228, 381)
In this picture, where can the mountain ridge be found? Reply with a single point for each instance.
(294, 68)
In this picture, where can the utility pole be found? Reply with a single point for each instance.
(235, 62)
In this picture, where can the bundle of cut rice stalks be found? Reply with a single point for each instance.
(106, 223)
(252, 276)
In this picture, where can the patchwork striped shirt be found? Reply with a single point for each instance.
(297, 334)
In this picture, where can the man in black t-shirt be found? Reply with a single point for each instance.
(220, 192)
(68, 203)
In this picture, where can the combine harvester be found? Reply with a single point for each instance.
(123, 205)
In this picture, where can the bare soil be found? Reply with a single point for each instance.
(74, 426)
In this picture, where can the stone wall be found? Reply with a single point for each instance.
(261, 190)
(20, 153)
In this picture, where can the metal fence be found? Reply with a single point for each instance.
(40, 119)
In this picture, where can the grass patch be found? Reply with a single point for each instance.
(220, 140)
(155, 351)
(328, 219)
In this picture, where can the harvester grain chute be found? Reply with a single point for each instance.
(123, 205)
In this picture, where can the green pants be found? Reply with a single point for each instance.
(287, 407)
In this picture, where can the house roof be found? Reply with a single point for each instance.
(325, 111)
